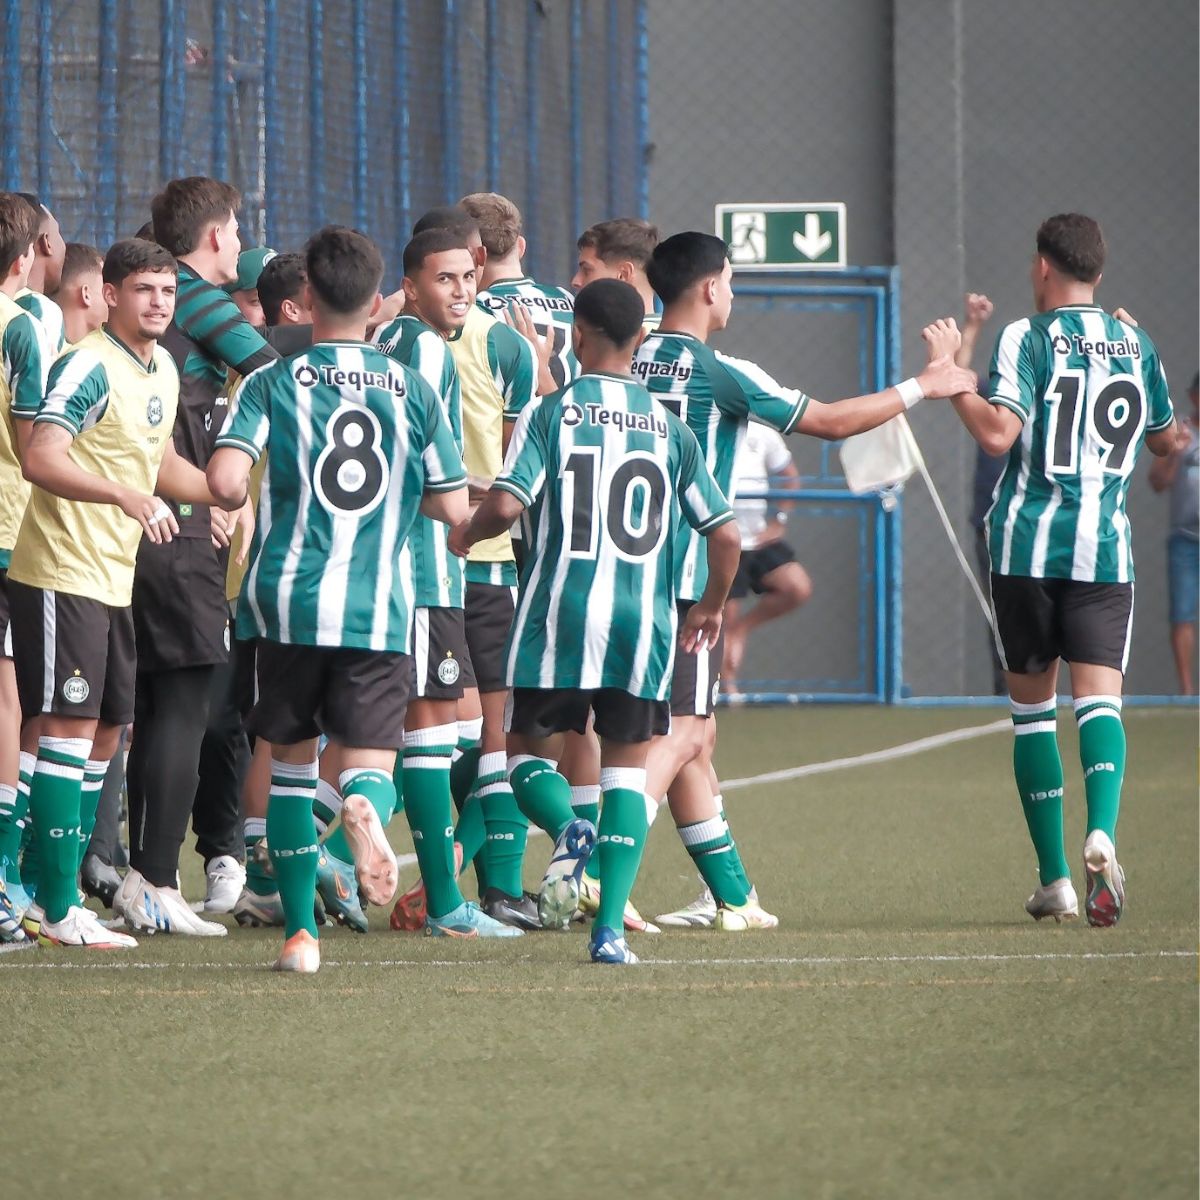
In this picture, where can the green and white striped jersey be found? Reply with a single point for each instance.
(352, 440)
(49, 317)
(611, 473)
(716, 396)
(550, 308)
(1088, 388)
(436, 575)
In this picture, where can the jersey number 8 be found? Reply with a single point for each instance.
(351, 475)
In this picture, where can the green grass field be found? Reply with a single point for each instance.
(907, 1032)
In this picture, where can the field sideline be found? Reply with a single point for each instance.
(907, 1032)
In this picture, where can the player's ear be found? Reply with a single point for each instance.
(410, 291)
(520, 246)
(109, 292)
(376, 305)
(625, 272)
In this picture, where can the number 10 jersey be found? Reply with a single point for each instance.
(1088, 388)
(608, 473)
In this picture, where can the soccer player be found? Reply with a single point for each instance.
(769, 567)
(619, 249)
(99, 449)
(322, 593)
(243, 288)
(716, 396)
(180, 612)
(609, 474)
(1073, 393)
(498, 375)
(439, 291)
(80, 293)
(49, 251)
(282, 294)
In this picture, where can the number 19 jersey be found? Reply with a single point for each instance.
(1088, 388)
(352, 439)
(611, 473)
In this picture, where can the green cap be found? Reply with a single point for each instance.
(250, 265)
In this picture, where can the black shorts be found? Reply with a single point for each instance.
(542, 712)
(243, 653)
(489, 616)
(756, 565)
(356, 698)
(696, 679)
(180, 613)
(1040, 620)
(5, 625)
(74, 657)
(441, 662)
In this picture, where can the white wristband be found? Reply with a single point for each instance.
(910, 392)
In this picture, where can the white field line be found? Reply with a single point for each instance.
(816, 960)
(904, 750)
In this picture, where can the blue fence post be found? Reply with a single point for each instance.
(106, 143)
(45, 95)
(612, 138)
(360, 114)
(316, 114)
(12, 94)
(273, 150)
(533, 40)
(576, 71)
(220, 89)
(450, 101)
(641, 114)
(894, 517)
(492, 95)
(168, 61)
(400, 129)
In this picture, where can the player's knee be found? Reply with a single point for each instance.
(793, 584)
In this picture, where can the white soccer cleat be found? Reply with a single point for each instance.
(301, 954)
(81, 928)
(1056, 899)
(374, 859)
(226, 878)
(700, 914)
(589, 904)
(1106, 881)
(152, 909)
(738, 918)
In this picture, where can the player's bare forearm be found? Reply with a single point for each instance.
(993, 426)
(24, 431)
(496, 513)
(1164, 443)
(182, 481)
(452, 508)
(228, 477)
(723, 547)
(47, 463)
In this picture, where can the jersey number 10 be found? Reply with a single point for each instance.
(632, 512)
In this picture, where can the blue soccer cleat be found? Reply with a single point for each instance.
(338, 890)
(468, 921)
(558, 896)
(10, 919)
(608, 946)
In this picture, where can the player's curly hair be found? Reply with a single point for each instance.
(1074, 244)
(499, 221)
(18, 228)
(344, 268)
(131, 256)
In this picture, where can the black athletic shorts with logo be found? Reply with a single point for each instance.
(356, 698)
(696, 679)
(1040, 620)
(756, 565)
(489, 613)
(543, 712)
(74, 657)
(441, 662)
(180, 613)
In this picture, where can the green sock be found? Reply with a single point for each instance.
(585, 801)
(427, 755)
(93, 781)
(543, 795)
(17, 870)
(54, 800)
(621, 840)
(506, 827)
(711, 847)
(11, 824)
(254, 829)
(734, 852)
(465, 766)
(327, 805)
(292, 837)
(470, 832)
(1037, 766)
(1102, 753)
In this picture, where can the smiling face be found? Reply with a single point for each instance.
(141, 306)
(442, 289)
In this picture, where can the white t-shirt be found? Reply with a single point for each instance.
(763, 453)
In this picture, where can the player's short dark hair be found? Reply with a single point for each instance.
(344, 268)
(183, 209)
(623, 239)
(682, 260)
(612, 308)
(430, 241)
(80, 259)
(146, 232)
(450, 217)
(1074, 244)
(131, 256)
(18, 228)
(40, 212)
(499, 221)
(281, 279)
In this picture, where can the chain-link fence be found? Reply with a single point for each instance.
(364, 112)
(950, 128)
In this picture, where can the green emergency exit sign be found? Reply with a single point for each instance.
(784, 237)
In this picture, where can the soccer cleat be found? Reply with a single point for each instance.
(99, 880)
(18, 897)
(468, 921)
(261, 853)
(10, 919)
(737, 918)
(152, 909)
(558, 896)
(608, 946)
(338, 890)
(226, 878)
(81, 928)
(521, 911)
(410, 911)
(589, 903)
(1106, 881)
(257, 912)
(301, 954)
(374, 859)
(1056, 899)
(31, 922)
(700, 914)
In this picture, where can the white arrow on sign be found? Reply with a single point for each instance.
(812, 243)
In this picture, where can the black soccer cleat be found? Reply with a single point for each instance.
(520, 911)
(99, 879)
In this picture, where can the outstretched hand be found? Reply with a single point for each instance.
(977, 308)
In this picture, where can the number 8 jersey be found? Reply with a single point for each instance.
(1088, 388)
(352, 439)
(608, 473)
